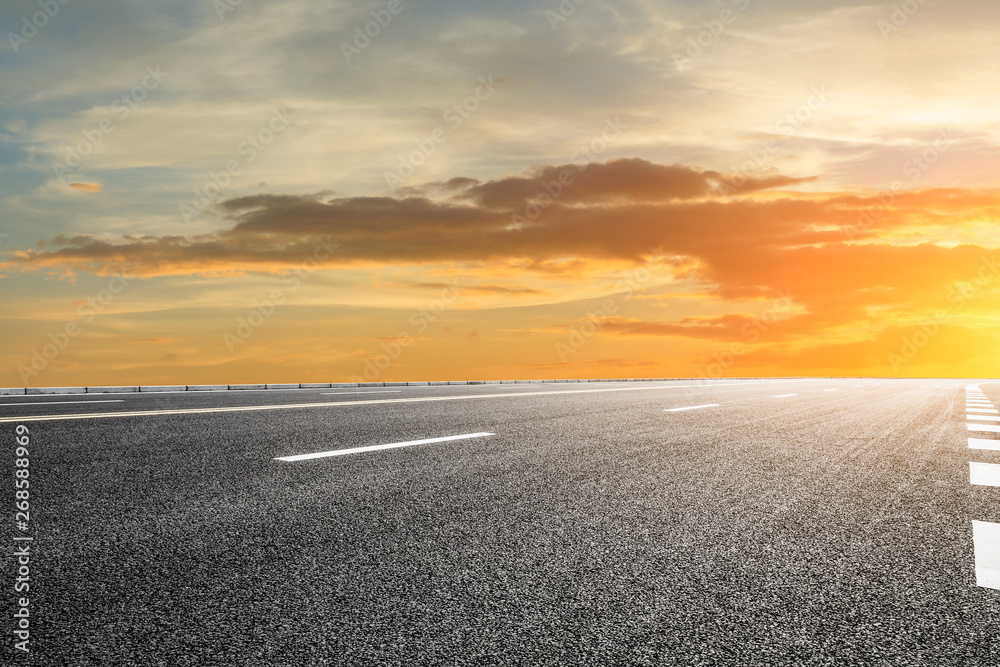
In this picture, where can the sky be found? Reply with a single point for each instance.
(238, 191)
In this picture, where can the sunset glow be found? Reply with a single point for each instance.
(262, 192)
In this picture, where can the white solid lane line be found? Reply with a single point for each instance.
(984, 443)
(784, 395)
(341, 393)
(7, 405)
(992, 428)
(986, 537)
(374, 448)
(983, 418)
(382, 401)
(984, 474)
(693, 407)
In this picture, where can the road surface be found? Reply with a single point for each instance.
(789, 522)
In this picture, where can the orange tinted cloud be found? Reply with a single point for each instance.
(845, 258)
(632, 180)
(86, 187)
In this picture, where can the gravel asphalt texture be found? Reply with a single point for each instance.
(832, 527)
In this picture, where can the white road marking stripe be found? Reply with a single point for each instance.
(7, 405)
(984, 443)
(986, 410)
(784, 395)
(383, 401)
(983, 418)
(984, 474)
(986, 537)
(829, 390)
(379, 391)
(992, 428)
(374, 448)
(693, 407)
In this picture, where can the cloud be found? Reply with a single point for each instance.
(503, 290)
(724, 327)
(630, 211)
(633, 180)
(839, 256)
(87, 187)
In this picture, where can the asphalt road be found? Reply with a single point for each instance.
(809, 522)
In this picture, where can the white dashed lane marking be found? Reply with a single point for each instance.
(985, 535)
(693, 407)
(374, 448)
(984, 443)
(987, 540)
(785, 395)
(984, 474)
